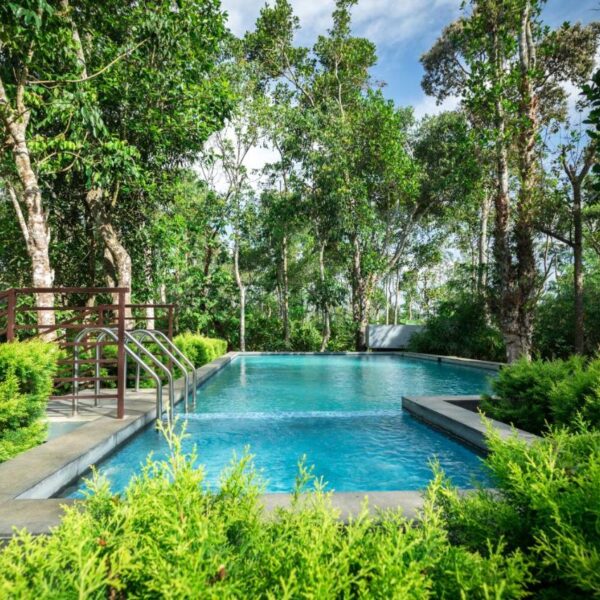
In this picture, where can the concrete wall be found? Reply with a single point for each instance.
(390, 337)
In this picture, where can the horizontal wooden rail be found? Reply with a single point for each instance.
(71, 290)
(88, 361)
(85, 379)
(22, 317)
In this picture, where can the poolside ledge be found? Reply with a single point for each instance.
(447, 414)
(28, 481)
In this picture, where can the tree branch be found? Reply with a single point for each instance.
(96, 74)
(15, 201)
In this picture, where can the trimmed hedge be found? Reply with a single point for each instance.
(199, 349)
(533, 395)
(26, 372)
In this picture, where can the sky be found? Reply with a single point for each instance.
(402, 30)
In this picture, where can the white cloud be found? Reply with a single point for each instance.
(383, 21)
(427, 105)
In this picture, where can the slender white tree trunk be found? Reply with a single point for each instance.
(285, 292)
(35, 225)
(326, 313)
(242, 292)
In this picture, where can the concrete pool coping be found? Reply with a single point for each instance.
(445, 413)
(28, 481)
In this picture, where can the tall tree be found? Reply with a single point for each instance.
(359, 159)
(35, 51)
(509, 69)
(170, 54)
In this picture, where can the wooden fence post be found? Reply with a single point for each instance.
(121, 375)
(11, 311)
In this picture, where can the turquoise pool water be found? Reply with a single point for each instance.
(343, 412)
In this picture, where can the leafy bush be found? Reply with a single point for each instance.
(548, 509)
(199, 349)
(460, 328)
(169, 536)
(343, 334)
(26, 372)
(578, 394)
(305, 337)
(531, 395)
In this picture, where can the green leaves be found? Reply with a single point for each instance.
(168, 535)
(26, 372)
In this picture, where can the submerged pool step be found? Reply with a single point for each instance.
(304, 414)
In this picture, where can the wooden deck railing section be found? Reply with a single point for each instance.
(75, 309)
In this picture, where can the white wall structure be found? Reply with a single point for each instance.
(390, 337)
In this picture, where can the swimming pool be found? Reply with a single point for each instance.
(342, 412)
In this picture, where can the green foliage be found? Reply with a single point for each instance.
(169, 536)
(306, 337)
(460, 328)
(547, 509)
(533, 394)
(199, 349)
(592, 92)
(554, 331)
(26, 371)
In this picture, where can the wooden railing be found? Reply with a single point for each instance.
(75, 309)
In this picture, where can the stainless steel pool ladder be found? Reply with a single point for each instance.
(137, 358)
(174, 354)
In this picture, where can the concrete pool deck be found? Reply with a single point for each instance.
(28, 481)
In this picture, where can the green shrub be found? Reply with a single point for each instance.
(531, 395)
(199, 349)
(578, 394)
(305, 337)
(460, 328)
(26, 372)
(548, 508)
(169, 536)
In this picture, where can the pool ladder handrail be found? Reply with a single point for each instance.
(164, 368)
(110, 332)
(170, 350)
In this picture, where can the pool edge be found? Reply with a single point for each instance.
(28, 481)
(444, 413)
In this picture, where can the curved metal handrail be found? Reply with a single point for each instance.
(159, 364)
(183, 357)
(107, 331)
(146, 333)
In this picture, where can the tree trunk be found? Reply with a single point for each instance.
(506, 300)
(39, 252)
(242, 291)
(285, 293)
(115, 253)
(360, 299)
(482, 245)
(150, 318)
(362, 320)
(526, 144)
(326, 315)
(578, 269)
(386, 288)
(396, 298)
(36, 230)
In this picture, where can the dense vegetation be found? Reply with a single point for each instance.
(127, 129)
(26, 372)
(539, 394)
(168, 536)
(200, 350)
(125, 134)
